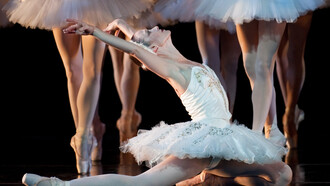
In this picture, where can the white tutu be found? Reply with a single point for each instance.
(3, 18)
(202, 140)
(186, 11)
(170, 12)
(240, 11)
(209, 134)
(46, 14)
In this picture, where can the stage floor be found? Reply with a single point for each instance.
(53, 156)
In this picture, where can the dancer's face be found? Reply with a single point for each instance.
(152, 37)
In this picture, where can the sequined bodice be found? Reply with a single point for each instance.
(205, 98)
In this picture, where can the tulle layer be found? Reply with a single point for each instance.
(240, 11)
(202, 140)
(186, 11)
(170, 12)
(46, 14)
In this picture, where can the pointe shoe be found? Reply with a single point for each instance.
(83, 164)
(36, 180)
(300, 116)
(97, 150)
(128, 125)
(276, 136)
(291, 133)
(292, 142)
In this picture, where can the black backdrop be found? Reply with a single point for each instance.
(34, 100)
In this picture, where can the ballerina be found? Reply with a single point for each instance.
(179, 151)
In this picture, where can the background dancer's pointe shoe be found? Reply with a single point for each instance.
(84, 164)
(36, 180)
(291, 121)
(300, 116)
(98, 150)
(128, 125)
(292, 142)
(276, 136)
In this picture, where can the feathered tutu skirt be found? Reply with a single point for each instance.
(170, 12)
(224, 14)
(202, 140)
(240, 11)
(46, 14)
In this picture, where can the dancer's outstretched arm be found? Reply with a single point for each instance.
(161, 67)
(81, 28)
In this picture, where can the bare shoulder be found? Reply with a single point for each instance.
(182, 72)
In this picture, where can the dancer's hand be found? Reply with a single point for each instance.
(78, 27)
(119, 25)
(113, 27)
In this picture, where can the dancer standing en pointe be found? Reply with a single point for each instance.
(259, 33)
(291, 74)
(179, 151)
(82, 57)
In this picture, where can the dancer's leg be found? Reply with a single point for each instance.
(173, 170)
(127, 80)
(272, 132)
(248, 40)
(230, 53)
(276, 173)
(93, 51)
(291, 70)
(69, 47)
(168, 172)
(90, 87)
(270, 34)
(207, 179)
(208, 40)
(130, 84)
(130, 119)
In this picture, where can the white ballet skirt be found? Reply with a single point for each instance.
(46, 14)
(170, 12)
(3, 18)
(240, 11)
(187, 11)
(209, 134)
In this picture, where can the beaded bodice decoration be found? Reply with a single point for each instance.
(205, 98)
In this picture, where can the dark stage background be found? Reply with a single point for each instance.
(34, 100)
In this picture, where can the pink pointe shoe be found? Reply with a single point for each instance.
(84, 165)
(36, 180)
